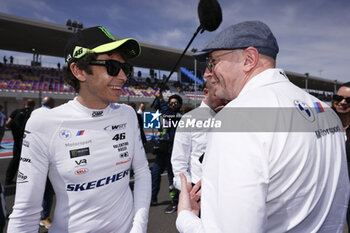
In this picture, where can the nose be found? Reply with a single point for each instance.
(208, 74)
(122, 75)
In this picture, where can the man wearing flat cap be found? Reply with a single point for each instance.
(284, 178)
(87, 147)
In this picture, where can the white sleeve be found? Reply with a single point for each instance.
(234, 186)
(187, 222)
(31, 180)
(142, 186)
(181, 156)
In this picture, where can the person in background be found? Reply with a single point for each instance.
(47, 103)
(87, 147)
(16, 122)
(278, 171)
(141, 109)
(341, 105)
(2, 124)
(171, 112)
(140, 121)
(190, 143)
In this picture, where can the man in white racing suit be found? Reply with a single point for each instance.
(278, 162)
(87, 147)
(190, 142)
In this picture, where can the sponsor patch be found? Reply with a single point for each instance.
(21, 177)
(115, 127)
(80, 132)
(81, 171)
(124, 155)
(304, 110)
(318, 107)
(97, 113)
(25, 143)
(97, 183)
(65, 134)
(81, 162)
(79, 152)
(70, 144)
(25, 160)
(324, 132)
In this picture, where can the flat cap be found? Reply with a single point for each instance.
(240, 36)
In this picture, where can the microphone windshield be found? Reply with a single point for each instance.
(209, 13)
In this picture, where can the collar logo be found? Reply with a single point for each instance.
(97, 113)
(304, 110)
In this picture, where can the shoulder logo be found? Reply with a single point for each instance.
(304, 110)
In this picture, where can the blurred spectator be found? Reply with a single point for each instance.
(11, 59)
(341, 105)
(2, 124)
(170, 111)
(5, 60)
(59, 66)
(140, 121)
(141, 109)
(16, 122)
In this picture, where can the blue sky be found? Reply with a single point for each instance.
(313, 35)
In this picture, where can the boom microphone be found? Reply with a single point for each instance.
(210, 17)
(209, 13)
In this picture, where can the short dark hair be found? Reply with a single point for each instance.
(176, 97)
(84, 64)
(347, 84)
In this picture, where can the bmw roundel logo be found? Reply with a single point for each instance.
(65, 134)
(304, 110)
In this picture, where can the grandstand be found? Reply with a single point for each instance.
(18, 82)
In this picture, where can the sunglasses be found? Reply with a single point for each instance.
(174, 103)
(113, 67)
(339, 98)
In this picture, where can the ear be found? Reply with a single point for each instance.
(78, 73)
(251, 58)
(205, 90)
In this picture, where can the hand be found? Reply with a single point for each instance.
(196, 192)
(159, 95)
(185, 200)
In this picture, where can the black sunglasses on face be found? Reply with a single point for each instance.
(174, 103)
(113, 67)
(339, 98)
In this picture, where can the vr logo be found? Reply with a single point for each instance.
(81, 162)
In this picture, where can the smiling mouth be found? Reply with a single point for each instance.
(115, 87)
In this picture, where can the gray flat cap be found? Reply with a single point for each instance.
(241, 36)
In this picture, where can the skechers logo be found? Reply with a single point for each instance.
(79, 152)
(97, 113)
(97, 183)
